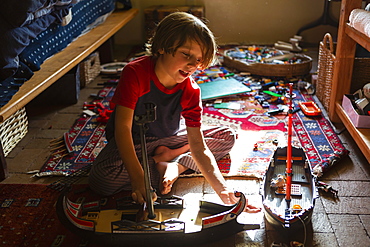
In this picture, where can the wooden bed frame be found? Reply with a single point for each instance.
(59, 64)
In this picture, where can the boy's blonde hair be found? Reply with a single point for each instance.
(176, 29)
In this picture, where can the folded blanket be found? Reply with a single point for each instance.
(14, 40)
(359, 19)
(57, 37)
(20, 13)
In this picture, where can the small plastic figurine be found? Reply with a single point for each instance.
(327, 188)
(279, 182)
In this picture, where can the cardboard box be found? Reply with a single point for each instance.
(154, 14)
(359, 121)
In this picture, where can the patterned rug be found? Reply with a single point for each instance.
(86, 138)
(259, 133)
(317, 136)
(29, 218)
(258, 136)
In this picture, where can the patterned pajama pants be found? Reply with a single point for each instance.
(108, 174)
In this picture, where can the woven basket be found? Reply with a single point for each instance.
(360, 75)
(325, 70)
(13, 130)
(265, 69)
(89, 69)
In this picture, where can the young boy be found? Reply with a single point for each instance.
(181, 45)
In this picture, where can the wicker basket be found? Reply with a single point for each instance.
(13, 130)
(360, 75)
(276, 70)
(325, 70)
(89, 69)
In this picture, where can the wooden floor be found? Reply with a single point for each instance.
(343, 222)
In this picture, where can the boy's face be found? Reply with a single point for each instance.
(175, 68)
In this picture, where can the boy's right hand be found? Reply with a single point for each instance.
(139, 196)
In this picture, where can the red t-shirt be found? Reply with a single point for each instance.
(139, 84)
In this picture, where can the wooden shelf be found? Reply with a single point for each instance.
(358, 37)
(59, 64)
(348, 37)
(360, 135)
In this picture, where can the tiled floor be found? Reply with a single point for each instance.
(343, 222)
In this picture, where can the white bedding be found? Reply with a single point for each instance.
(360, 20)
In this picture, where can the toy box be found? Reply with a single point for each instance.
(359, 121)
(154, 14)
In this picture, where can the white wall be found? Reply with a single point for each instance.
(245, 21)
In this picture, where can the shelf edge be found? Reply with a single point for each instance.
(360, 136)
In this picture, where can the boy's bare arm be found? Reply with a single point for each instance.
(207, 164)
(124, 141)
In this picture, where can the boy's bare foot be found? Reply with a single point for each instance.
(169, 171)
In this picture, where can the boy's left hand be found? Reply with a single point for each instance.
(228, 197)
